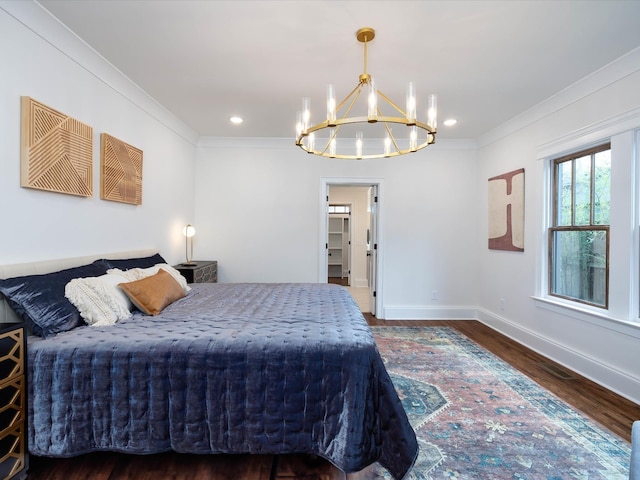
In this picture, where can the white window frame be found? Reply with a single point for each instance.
(553, 192)
(624, 268)
(339, 209)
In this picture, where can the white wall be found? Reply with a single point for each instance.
(603, 345)
(40, 58)
(257, 213)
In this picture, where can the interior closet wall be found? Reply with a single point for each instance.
(358, 198)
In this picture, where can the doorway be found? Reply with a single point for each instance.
(350, 219)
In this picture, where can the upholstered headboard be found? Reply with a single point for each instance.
(47, 266)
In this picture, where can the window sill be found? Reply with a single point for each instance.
(593, 315)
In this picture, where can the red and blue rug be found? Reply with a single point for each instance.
(476, 417)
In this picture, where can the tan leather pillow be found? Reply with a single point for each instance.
(152, 294)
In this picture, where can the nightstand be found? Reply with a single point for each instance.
(204, 271)
(14, 459)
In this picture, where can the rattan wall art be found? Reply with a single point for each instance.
(56, 151)
(121, 168)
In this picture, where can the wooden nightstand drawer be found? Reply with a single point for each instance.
(202, 272)
(12, 409)
(14, 458)
(11, 352)
(13, 462)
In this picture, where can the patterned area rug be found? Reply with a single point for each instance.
(476, 417)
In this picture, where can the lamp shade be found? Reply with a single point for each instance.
(189, 231)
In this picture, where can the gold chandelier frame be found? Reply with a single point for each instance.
(305, 134)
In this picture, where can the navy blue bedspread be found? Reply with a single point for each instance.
(231, 368)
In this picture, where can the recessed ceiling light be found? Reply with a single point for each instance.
(236, 120)
(449, 122)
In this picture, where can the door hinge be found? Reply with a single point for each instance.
(327, 198)
(375, 199)
(374, 293)
(375, 246)
(326, 246)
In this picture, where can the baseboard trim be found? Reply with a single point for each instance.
(609, 377)
(429, 313)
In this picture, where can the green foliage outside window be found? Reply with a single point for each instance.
(579, 237)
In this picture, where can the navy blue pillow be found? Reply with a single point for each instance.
(39, 299)
(140, 262)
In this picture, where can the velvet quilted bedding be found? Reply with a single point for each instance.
(231, 368)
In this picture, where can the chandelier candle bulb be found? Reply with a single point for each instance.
(359, 145)
(387, 144)
(373, 102)
(332, 143)
(432, 112)
(411, 104)
(413, 138)
(331, 105)
(306, 112)
(311, 142)
(298, 124)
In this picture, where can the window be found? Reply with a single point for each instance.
(579, 234)
(339, 209)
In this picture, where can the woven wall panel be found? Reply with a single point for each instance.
(56, 151)
(121, 166)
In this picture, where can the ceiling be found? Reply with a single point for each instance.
(488, 61)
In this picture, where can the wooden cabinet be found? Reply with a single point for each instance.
(201, 272)
(14, 458)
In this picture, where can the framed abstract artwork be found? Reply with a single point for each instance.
(506, 211)
(56, 151)
(121, 171)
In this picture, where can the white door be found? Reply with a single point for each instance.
(372, 247)
(349, 236)
(327, 257)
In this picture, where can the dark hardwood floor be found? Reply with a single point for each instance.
(608, 409)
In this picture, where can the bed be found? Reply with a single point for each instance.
(227, 368)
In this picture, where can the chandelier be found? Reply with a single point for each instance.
(346, 122)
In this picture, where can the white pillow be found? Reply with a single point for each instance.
(134, 274)
(99, 299)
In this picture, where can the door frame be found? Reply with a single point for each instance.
(325, 185)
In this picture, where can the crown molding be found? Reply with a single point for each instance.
(33, 16)
(620, 68)
(590, 135)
